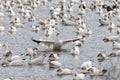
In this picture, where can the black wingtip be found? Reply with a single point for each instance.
(35, 40)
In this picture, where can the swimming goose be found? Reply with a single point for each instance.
(7, 52)
(55, 64)
(8, 79)
(57, 44)
(103, 22)
(116, 45)
(64, 71)
(118, 31)
(97, 72)
(14, 57)
(11, 14)
(86, 65)
(43, 23)
(2, 28)
(111, 38)
(1, 14)
(81, 11)
(75, 50)
(35, 28)
(12, 29)
(111, 26)
(118, 24)
(31, 51)
(115, 53)
(37, 61)
(99, 11)
(78, 76)
(118, 17)
(49, 31)
(1, 7)
(13, 63)
(68, 23)
(53, 57)
(102, 57)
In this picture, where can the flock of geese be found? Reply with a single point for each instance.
(61, 14)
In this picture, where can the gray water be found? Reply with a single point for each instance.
(93, 45)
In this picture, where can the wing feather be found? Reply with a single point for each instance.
(43, 42)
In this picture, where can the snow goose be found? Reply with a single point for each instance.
(99, 11)
(111, 38)
(115, 53)
(55, 64)
(49, 31)
(118, 17)
(12, 29)
(118, 31)
(1, 14)
(75, 50)
(35, 28)
(116, 45)
(86, 66)
(111, 26)
(8, 79)
(11, 14)
(1, 7)
(37, 61)
(68, 23)
(13, 63)
(7, 52)
(78, 76)
(97, 72)
(81, 11)
(31, 51)
(103, 22)
(53, 57)
(64, 71)
(57, 44)
(2, 28)
(102, 57)
(118, 24)
(14, 57)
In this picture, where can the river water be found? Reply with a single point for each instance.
(20, 40)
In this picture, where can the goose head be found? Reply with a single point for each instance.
(104, 71)
(59, 70)
(4, 64)
(53, 57)
(106, 39)
(112, 54)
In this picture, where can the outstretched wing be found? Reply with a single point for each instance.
(43, 42)
(69, 41)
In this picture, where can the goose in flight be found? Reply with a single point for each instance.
(57, 44)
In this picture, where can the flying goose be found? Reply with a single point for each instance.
(57, 44)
